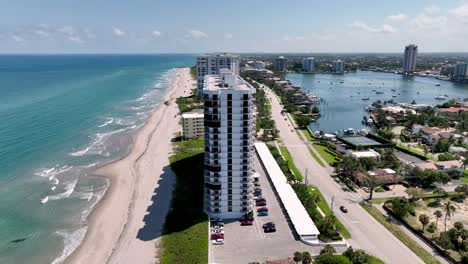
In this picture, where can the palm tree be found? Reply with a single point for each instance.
(449, 209)
(438, 214)
(327, 249)
(372, 183)
(306, 258)
(297, 256)
(424, 219)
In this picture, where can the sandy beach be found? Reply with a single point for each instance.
(126, 223)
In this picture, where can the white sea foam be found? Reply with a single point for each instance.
(72, 241)
(51, 173)
(108, 122)
(53, 188)
(45, 199)
(93, 147)
(69, 188)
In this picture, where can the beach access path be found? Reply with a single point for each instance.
(127, 222)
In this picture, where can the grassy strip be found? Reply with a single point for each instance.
(374, 260)
(307, 134)
(464, 179)
(185, 233)
(323, 205)
(292, 166)
(322, 150)
(400, 234)
(319, 161)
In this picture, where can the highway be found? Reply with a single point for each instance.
(366, 232)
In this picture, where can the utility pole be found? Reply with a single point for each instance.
(305, 179)
(332, 201)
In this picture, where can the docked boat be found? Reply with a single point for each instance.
(365, 98)
(379, 92)
(394, 95)
(313, 98)
(349, 132)
(441, 97)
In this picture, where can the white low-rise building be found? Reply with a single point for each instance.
(365, 154)
(192, 125)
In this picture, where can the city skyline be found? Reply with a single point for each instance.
(55, 27)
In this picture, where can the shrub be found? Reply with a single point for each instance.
(332, 259)
(431, 228)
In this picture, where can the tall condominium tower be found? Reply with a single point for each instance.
(212, 63)
(308, 64)
(338, 66)
(280, 64)
(460, 74)
(229, 127)
(409, 60)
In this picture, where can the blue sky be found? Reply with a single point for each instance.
(63, 26)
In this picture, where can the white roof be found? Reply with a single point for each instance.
(192, 115)
(297, 213)
(365, 154)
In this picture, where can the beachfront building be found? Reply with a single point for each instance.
(338, 66)
(409, 59)
(460, 73)
(308, 64)
(229, 135)
(259, 65)
(192, 125)
(212, 63)
(280, 64)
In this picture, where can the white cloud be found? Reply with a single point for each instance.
(17, 38)
(228, 36)
(71, 34)
(89, 33)
(118, 32)
(299, 38)
(461, 11)
(295, 38)
(156, 33)
(425, 22)
(397, 17)
(385, 29)
(196, 34)
(41, 33)
(432, 9)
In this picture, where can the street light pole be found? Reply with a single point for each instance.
(332, 201)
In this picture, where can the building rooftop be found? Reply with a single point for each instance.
(426, 165)
(193, 114)
(453, 109)
(365, 154)
(225, 80)
(219, 55)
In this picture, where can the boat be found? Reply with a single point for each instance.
(394, 95)
(44, 200)
(342, 82)
(313, 98)
(365, 98)
(437, 84)
(349, 131)
(374, 90)
(394, 90)
(441, 97)
(379, 92)
(417, 93)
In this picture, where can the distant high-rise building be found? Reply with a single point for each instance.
(338, 66)
(280, 64)
(229, 126)
(259, 65)
(212, 63)
(409, 60)
(308, 64)
(460, 74)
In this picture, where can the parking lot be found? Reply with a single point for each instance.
(244, 244)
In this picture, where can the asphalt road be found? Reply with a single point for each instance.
(366, 232)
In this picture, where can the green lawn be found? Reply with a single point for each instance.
(307, 134)
(323, 205)
(464, 179)
(400, 234)
(185, 233)
(375, 260)
(292, 166)
(319, 161)
(322, 150)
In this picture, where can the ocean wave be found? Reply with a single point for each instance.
(96, 142)
(108, 122)
(51, 173)
(124, 122)
(72, 241)
(69, 188)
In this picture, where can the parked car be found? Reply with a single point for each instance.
(343, 209)
(271, 229)
(247, 222)
(258, 190)
(260, 199)
(218, 242)
(262, 209)
(269, 224)
(262, 203)
(217, 231)
(366, 189)
(217, 236)
(262, 213)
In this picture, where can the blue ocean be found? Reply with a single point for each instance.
(60, 117)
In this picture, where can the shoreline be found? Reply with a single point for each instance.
(119, 227)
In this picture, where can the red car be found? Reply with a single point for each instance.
(247, 223)
(263, 203)
(262, 209)
(217, 236)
